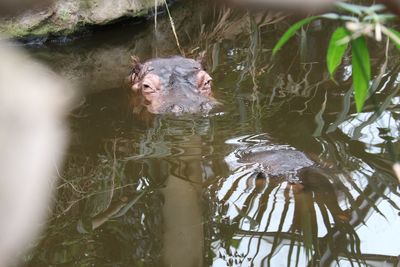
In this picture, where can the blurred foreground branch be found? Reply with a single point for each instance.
(33, 104)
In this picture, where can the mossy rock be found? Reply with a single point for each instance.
(68, 16)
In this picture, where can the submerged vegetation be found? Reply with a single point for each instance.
(121, 174)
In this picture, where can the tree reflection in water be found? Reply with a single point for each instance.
(260, 221)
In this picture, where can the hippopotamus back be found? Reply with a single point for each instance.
(278, 162)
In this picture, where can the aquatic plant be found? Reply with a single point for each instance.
(357, 22)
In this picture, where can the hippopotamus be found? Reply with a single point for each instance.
(175, 85)
(272, 165)
(279, 163)
(282, 163)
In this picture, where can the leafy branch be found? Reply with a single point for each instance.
(359, 22)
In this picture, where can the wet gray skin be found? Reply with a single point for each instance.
(173, 85)
(279, 163)
(189, 103)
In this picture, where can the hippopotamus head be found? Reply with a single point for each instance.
(172, 85)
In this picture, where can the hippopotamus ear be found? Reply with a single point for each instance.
(136, 65)
(134, 75)
(136, 68)
(201, 58)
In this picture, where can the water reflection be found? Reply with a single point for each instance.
(267, 224)
(168, 190)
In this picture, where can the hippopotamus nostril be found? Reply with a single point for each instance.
(176, 109)
(205, 106)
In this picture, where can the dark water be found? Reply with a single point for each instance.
(172, 191)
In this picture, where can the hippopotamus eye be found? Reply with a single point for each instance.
(147, 88)
(150, 83)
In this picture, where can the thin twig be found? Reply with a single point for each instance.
(155, 13)
(173, 29)
(63, 212)
(66, 182)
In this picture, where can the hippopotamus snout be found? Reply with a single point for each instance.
(204, 107)
(172, 85)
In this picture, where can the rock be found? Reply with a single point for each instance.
(68, 16)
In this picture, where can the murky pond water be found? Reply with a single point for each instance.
(175, 191)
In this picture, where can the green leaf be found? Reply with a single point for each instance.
(129, 205)
(361, 71)
(382, 18)
(333, 16)
(336, 51)
(392, 38)
(290, 32)
(348, 18)
(355, 9)
(84, 225)
(375, 8)
(359, 9)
